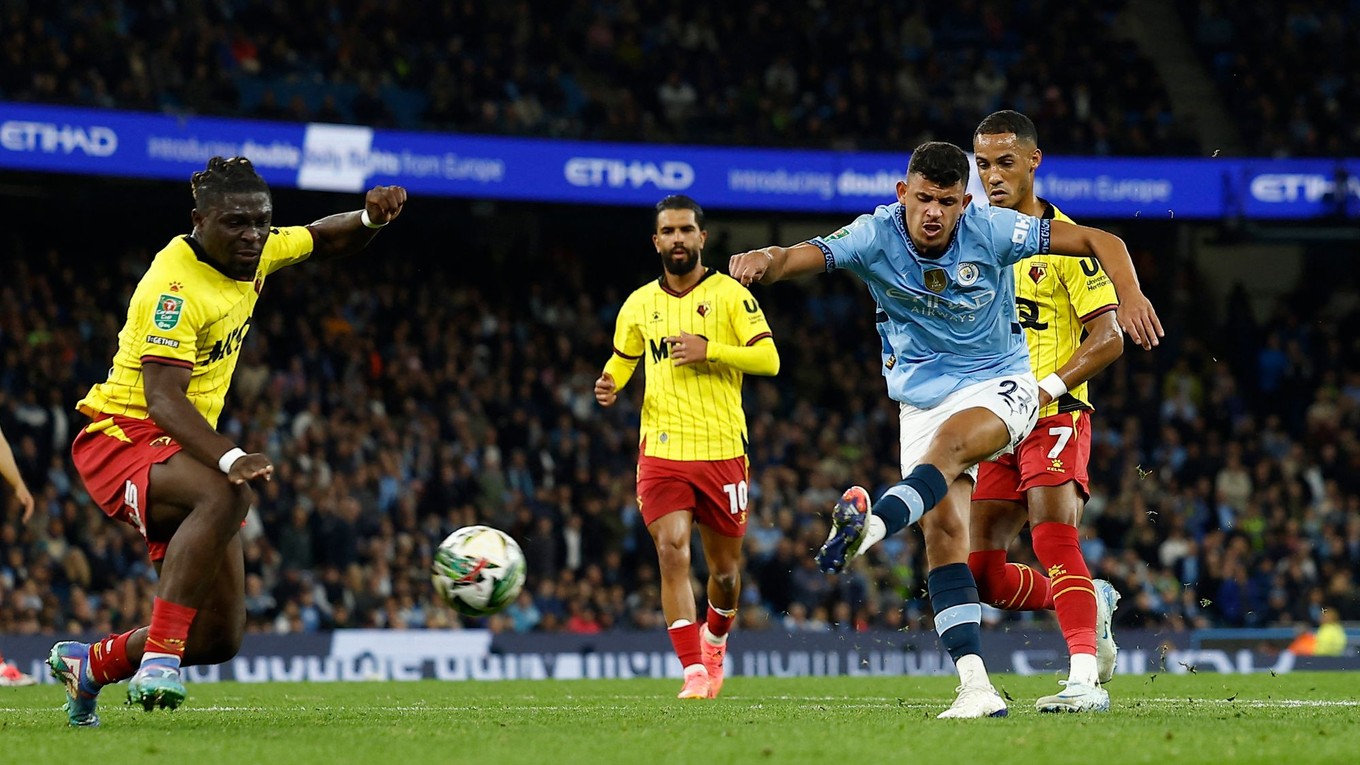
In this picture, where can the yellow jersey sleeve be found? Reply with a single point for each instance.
(1088, 287)
(286, 245)
(628, 340)
(166, 322)
(748, 320)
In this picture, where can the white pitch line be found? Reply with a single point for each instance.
(838, 702)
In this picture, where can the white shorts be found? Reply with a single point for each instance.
(1015, 399)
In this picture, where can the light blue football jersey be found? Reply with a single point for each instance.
(945, 322)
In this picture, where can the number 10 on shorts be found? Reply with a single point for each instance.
(736, 496)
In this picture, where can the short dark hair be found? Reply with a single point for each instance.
(1009, 121)
(681, 202)
(940, 163)
(222, 176)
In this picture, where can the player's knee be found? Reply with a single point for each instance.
(242, 498)
(672, 554)
(727, 580)
(232, 502)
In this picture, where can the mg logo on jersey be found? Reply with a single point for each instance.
(660, 350)
(596, 172)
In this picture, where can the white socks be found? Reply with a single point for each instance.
(1083, 670)
(874, 532)
(972, 672)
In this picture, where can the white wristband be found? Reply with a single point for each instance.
(1053, 385)
(225, 462)
(367, 221)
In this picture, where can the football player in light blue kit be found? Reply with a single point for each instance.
(955, 359)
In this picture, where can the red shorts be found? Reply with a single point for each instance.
(1055, 452)
(715, 490)
(114, 456)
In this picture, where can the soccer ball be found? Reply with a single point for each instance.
(478, 570)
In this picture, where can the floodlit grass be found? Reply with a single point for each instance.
(1164, 719)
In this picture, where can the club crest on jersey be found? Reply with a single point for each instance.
(704, 308)
(968, 274)
(168, 310)
(1037, 272)
(936, 280)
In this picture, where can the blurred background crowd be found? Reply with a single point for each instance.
(868, 74)
(401, 398)
(404, 397)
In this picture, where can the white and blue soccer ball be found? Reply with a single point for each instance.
(478, 570)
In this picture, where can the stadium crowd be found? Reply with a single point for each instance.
(853, 74)
(400, 400)
(1281, 113)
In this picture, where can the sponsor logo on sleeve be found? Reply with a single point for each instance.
(168, 310)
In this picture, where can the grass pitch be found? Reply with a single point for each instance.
(1163, 719)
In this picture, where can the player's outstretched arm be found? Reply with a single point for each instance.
(342, 234)
(9, 469)
(771, 264)
(1103, 344)
(168, 403)
(1136, 314)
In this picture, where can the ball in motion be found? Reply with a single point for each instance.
(478, 570)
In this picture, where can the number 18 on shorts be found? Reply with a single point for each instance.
(715, 490)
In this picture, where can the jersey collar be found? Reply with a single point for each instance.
(1050, 210)
(661, 280)
(203, 258)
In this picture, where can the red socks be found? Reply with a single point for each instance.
(169, 629)
(1074, 597)
(686, 641)
(1067, 589)
(719, 624)
(1011, 586)
(109, 662)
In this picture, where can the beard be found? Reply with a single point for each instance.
(680, 267)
